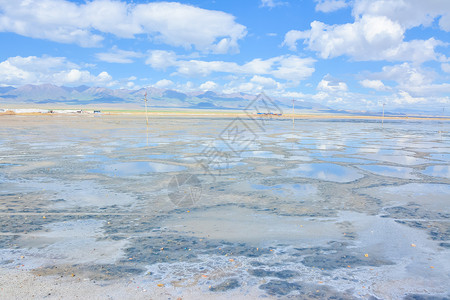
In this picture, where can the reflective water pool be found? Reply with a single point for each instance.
(400, 172)
(325, 171)
(328, 209)
(439, 171)
(136, 168)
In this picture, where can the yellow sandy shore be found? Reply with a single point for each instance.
(227, 114)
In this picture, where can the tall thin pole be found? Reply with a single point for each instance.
(146, 113)
(293, 112)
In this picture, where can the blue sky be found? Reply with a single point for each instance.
(353, 54)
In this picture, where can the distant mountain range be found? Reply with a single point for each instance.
(50, 95)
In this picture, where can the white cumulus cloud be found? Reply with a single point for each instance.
(407, 75)
(208, 86)
(161, 59)
(164, 83)
(408, 14)
(292, 36)
(328, 84)
(85, 24)
(287, 67)
(378, 31)
(266, 83)
(403, 97)
(293, 68)
(119, 56)
(413, 80)
(368, 38)
(56, 70)
(373, 84)
(445, 67)
(327, 6)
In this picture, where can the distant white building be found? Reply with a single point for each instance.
(28, 110)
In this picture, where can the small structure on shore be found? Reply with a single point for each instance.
(13, 111)
(269, 115)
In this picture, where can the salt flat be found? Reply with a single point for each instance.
(106, 207)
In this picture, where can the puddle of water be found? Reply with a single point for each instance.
(95, 158)
(325, 171)
(396, 159)
(74, 194)
(5, 165)
(299, 157)
(291, 136)
(297, 154)
(74, 241)
(399, 172)
(331, 158)
(438, 171)
(224, 165)
(385, 238)
(260, 154)
(136, 168)
(161, 156)
(434, 197)
(440, 156)
(296, 191)
(236, 224)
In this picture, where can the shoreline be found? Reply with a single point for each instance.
(211, 113)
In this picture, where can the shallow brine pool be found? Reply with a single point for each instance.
(187, 208)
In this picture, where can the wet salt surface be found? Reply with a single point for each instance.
(400, 172)
(71, 242)
(326, 172)
(136, 168)
(328, 210)
(439, 171)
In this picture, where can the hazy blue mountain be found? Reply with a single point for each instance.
(47, 94)
(157, 98)
(6, 89)
(174, 95)
(32, 93)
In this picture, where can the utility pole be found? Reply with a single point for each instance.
(293, 112)
(146, 113)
